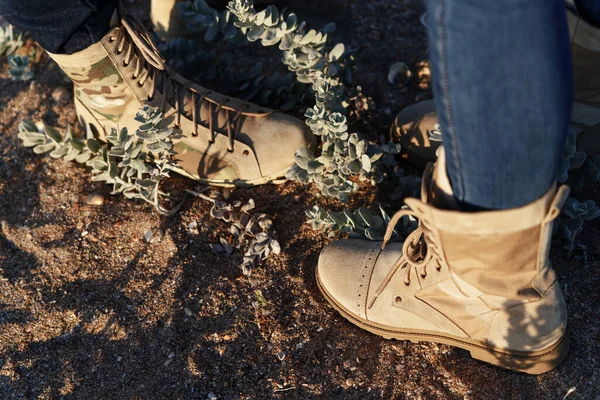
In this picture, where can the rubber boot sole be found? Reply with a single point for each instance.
(534, 363)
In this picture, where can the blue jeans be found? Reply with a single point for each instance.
(502, 82)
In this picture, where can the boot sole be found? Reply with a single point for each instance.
(534, 363)
(276, 179)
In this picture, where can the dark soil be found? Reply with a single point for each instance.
(89, 309)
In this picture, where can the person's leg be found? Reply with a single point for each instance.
(479, 280)
(502, 81)
(61, 26)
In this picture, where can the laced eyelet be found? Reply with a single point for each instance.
(398, 299)
(134, 77)
(119, 51)
(140, 84)
(150, 98)
(423, 276)
(246, 153)
(230, 150)
(111, 39)
(125, 64)
(177, 125)
(211, 141)
(407, 283)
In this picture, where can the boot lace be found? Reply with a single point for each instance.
(134, 40)
(418, 252)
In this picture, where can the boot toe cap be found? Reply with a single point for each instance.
(343, 272)
(280, 135)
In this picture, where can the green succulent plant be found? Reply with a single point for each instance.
(251, 231)
(134, 164)
(573, 216)
(19, 68)
(9, 40)
(358, 224)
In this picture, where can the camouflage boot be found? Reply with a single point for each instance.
(417, 124)
(481, 281)
(225, 141)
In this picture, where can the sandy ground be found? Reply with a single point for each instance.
(89, 309)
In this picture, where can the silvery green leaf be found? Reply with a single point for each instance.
(275, 247)
(60, 152)
(72, 154)
(337, 52)
(84, 156)
(43, 148)
(366, 163)
(28, 126)
(52, 133)
(211, 33)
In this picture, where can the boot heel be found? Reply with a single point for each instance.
(533, 363)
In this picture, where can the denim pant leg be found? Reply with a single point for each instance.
(60, 26)
(502, 80)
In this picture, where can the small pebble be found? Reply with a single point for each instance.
(399, 74)
(61, 94)
(96, 198)
(281, 355)
(187, 312)
(212, 396)
(350, 382)
(148, 236)
(84, 233)
(363, 353)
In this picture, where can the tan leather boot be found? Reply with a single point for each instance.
(414, 124)
(226, 141)
(480, 281)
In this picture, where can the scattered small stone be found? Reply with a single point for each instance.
(212, 396)
(227, 337)
(171, 355)
(349, 382)
(61, 94)
(281, 355)
(84, 233)
(119, 358)
(96, 198)
(168, 362)
(399, 74)
(363, 353)
(193, 228)
(187, 312)
(148, 236)
(79, 225)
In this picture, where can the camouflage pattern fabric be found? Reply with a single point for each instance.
(101, 88)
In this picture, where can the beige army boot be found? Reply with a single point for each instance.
(226, 141)
(480, 281)
(415, 125)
